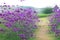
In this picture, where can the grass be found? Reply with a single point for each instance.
(9, 36)
(2, 26)
(42, 15)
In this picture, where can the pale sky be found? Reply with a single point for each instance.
(33, 3)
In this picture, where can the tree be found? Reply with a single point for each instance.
(47, 10)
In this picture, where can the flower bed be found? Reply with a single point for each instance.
(55, 21)
(20, 22)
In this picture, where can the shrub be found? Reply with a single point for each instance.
(47, 10)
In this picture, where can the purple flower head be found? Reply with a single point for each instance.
(16, 29)
(1, 29)
(56, 8)
(22, 36)
(0, 14)
(57, 32)
(8, 24)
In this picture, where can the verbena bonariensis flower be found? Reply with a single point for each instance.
(55, 21)
(22, 21)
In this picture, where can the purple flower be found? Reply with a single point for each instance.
(9, 25)
(56, 8)
(0, 14)
(34, 27)
(1, 29)
(22, 36)
(57, 33)
(16, 29)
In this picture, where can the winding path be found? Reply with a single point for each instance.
(41, 32)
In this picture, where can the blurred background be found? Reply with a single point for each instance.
(44, 9)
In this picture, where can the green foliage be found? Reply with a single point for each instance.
(47, 10)
(43, 15)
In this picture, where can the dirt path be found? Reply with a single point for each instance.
(41, 32)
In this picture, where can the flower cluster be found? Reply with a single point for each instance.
(55, 21)
(22, 21)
